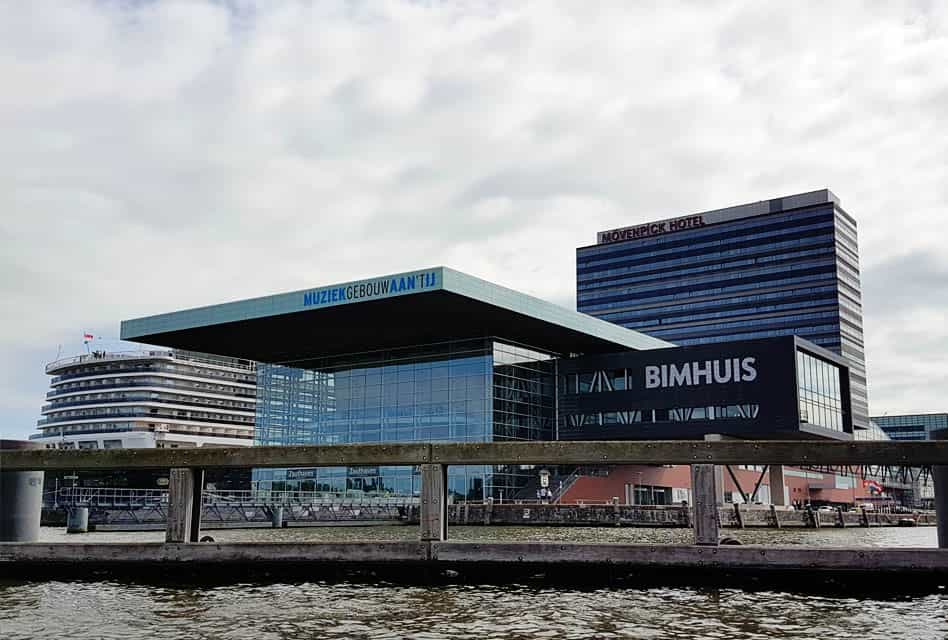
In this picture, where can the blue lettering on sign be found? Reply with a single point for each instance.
(370, 289)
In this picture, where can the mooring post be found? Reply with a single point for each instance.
(940, 478)
(434, 500)
(185, 497)
(703, 485)
(276, 516)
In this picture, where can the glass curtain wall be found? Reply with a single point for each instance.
(462, 391)
(819, 390)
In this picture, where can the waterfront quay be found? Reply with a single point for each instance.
(434, 551)
(118, 509)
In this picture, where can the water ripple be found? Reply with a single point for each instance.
(114, 610)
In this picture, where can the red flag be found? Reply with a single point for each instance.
(87, 336)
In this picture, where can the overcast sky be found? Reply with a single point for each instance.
(160, 155)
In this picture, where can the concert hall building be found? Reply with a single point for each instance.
(436, 355)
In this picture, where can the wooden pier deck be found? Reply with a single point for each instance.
(434, 551)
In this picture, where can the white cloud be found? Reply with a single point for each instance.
(158, 155)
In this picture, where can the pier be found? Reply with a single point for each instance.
(434, 550)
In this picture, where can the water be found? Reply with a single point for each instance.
(113, 610)
(347, 609)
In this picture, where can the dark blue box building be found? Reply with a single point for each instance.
(787, 266)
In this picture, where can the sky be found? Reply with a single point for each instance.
(162, 155)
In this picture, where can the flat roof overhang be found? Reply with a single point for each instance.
(400, 310)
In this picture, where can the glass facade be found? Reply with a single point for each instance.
(912, 427)
(819, 392)
(784, 273)
(465, 391)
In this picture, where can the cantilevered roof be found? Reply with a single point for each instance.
(399, 310)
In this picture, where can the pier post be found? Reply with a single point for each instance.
(185, 499)
(77, 520)
(777, 484)
(434, 493)
(276, 517)
(703, 486)
(21, 498)
(940, 478)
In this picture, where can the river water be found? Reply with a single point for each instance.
(151, 607)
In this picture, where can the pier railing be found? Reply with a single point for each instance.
(187, 466)
(186, 494)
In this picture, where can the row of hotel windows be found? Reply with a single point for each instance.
(792, 293)
(680, 414)
(784, 300)
(587, 307)
(722, 236)
(685, 271)
(698, 336)
(761, 274)
(736, 324)
(586, 276)
(587, 271)
(650, 320)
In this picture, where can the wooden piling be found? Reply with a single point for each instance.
(434, 516)
(940, 479)
(703, 486)
(185, 496)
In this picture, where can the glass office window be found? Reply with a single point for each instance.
(464, 391)
(819, 390)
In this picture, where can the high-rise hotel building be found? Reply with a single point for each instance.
(776, 267)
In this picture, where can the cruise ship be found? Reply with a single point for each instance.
(153, 398)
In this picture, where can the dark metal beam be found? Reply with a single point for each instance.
(808, 452)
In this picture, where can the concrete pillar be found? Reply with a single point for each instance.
(77, 520)
(778, 483)
(434, 493)
(703, 486)
(21, 499)
(940, 478)
(276, 517)
(185, 500)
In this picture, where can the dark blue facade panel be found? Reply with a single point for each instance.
(772, 388)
